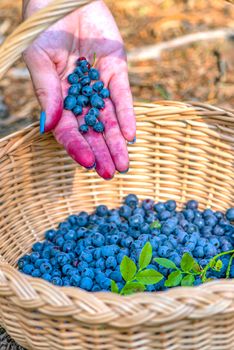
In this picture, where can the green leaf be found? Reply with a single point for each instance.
(188, 281)
(173, 279)
(114, 287)
(187, 262)
(218, 265)
(166, 263)
(132, 287)
(127, 268)
(149, 276)
(155, 224)
(196, 268)
(145, 256)
(212, 263)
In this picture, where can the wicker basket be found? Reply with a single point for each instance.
(183, 151)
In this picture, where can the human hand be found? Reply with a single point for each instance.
(52, 57)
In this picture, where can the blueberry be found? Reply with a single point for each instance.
(37, 247)
(90, 120)
(94, 74)
(84, 66)
(86, 283)
(191, 229)
(170, 205)
(99, 127)
(111, 263)
(188, 214)
(218, 231)
(70, 235)
(100, 263)
(136, 221)
(105, 283)
(39, 262)
(215, 242)
(66, 268)
(139, 211)
(47, 277)
(131, 200)
(86, 256)
(75, 280)
(192, 204)
(104, 93)
(181, 235)
(175, 257)
(35, 256)
(36, 273)
(211, 220)
(95, 112)
(210, 250)
(102, 210)
(28, 269)
(53, 261)
(159, 207)
(97, 102)
(82, 101)
(56, 272)
(57, 281)
(96, 288)
(74, 89)
(145, 228)
(87, 91)
(98, 86)
(77, 110)
(127, 242)
(63, 259)
(164, 215)
(46, 253)
(219, 215)
(109, 250)
(116, 276)
(197, 281)
(50, 234)
(73, 78)
(93, 219)
(66, 281)
(199, 222)
(207, 212)
(202, 242)
(114, 239)
(206, 231)
(45, 267)
(88, 273)
(85, 81)
(164, 251)
(70, 102)
(83, 129)
(79, 72)
(82, 220)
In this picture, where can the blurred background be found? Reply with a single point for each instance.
(192, 57)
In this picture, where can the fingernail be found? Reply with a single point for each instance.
(124, 172)
(91, 167)
(42, 122)
(132, 142)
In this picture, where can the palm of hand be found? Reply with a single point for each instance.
(52, 57)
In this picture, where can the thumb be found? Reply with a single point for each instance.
(47, 86)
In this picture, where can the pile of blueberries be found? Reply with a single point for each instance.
(86, 250)
(82, 94)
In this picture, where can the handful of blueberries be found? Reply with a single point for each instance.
(82, 94)
(86, 250)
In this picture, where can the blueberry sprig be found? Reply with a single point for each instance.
(83, 93)
(137, 278)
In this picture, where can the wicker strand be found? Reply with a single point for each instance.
(20, 39)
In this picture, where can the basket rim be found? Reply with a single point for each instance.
(95, 308)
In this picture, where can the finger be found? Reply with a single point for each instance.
(47, 85)
(114, 138)
(120, 91)
(67, 134)
(104, 163)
